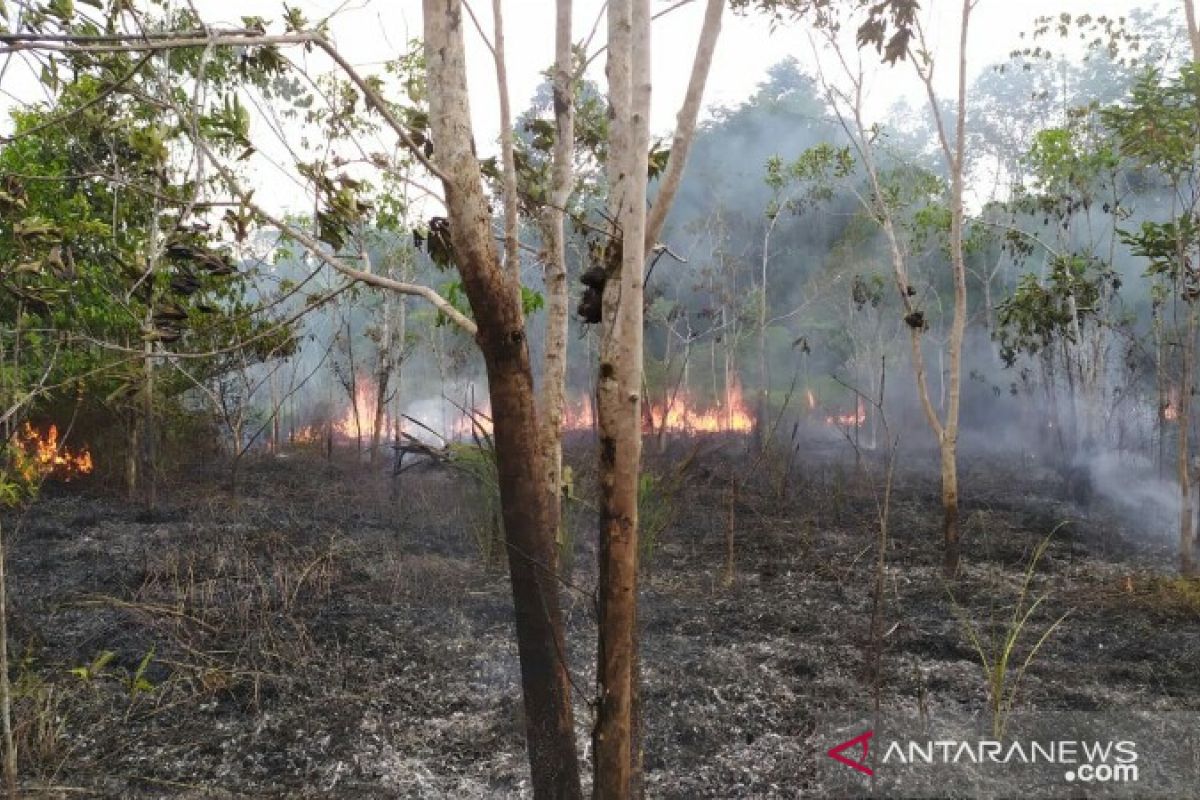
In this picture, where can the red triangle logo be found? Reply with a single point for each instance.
(863, 740)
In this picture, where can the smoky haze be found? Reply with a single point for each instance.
(1067, 409)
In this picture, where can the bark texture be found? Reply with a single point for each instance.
(528, 525)
(618, 394)
(617, 735)
(554, 360)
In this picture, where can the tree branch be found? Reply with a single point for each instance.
(685, 126)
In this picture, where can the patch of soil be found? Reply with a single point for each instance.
(327, 632)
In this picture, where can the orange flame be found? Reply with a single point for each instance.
(1170, 412)
(578, 416)
(680, 415)
(359, 419)
(309, 434)
(49, 458)
(853, 420)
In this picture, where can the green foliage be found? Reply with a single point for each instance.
(886, 27)
(138, 683)
(100, 220)
(535, 136)
(88, 673)
(134, 681)
(1160, 123)
(1165, 246)
(1040, 312)
(997, 645)
(809, 180)
(1158, 129)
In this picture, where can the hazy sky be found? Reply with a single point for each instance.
(373, 31)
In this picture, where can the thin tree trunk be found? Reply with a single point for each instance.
(276, 409)
(132, 454)
(617, 736)
(352, 388)
(956, 159)
(764, 377)
(554, 360)
(528, 520)
(149, 434)
(383, 376)
(950, 527)
(619, 395)
(1160, 382)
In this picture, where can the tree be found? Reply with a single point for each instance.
(635, 232)
(111, 254)
(440, 140)
(893, 191)
(892, 29)
(495, 298)
(1158, 128)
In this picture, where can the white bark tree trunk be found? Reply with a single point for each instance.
(554, 360)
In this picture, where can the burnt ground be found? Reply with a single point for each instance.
(326, 632)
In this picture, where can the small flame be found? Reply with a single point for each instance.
(1170, 412)
(853, 420)
(578, 416)
(309, 434)
(50, 458)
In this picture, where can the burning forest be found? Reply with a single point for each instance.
(520, 407)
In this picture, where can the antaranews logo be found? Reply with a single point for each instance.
(1084, 761)
(863, 740)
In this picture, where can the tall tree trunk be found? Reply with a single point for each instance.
(528, 521)
(554, 359)
(952, 547)
(617, 738)
(1160, 383)
(956, 158)
(619, 394)
(276, 411)
(149, 454)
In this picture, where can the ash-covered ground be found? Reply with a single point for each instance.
(327, 631)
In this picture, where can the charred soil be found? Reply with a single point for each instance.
(329, 631)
